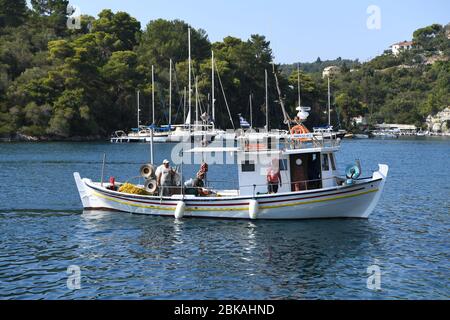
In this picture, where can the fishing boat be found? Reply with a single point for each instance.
(310, 185)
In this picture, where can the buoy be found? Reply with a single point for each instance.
(179, 211)
(253, 209)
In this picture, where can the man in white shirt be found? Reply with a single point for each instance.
(164, 177)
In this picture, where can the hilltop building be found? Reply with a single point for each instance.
(397, 48)
(330, 71)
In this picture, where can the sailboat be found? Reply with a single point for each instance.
(328, 131)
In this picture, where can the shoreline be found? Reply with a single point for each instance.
(24, 138)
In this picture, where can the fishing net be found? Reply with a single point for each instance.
(132, 189)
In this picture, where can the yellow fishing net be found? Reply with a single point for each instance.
(132, 189)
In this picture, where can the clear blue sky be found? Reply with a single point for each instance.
(298, 30)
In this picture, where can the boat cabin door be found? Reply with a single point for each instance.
(306, 171)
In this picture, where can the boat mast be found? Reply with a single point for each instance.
(267, 103)
(138, 109)
(213, 100)
(184, 104)
(153, 94)
(329, 103)
(298, 80)
(251, 111)
(170, 93)
(196, 100)
(190, 80)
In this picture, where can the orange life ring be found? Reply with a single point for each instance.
(300, 129)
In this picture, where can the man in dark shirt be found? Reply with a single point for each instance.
(199, 184)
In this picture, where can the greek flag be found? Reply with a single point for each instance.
(244, 123)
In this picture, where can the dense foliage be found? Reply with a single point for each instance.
(58, 82)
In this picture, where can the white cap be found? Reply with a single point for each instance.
(166, 161)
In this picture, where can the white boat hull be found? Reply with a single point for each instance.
(356, 201)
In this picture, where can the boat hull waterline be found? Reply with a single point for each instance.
(355, 201)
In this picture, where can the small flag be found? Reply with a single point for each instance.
(244, 123)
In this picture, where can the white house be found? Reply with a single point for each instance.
(360, 121)
(401, 46)
(330, 71)
(439, 122)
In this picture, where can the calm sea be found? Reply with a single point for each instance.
(43, 231)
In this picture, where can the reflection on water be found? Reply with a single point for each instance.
(43, 232)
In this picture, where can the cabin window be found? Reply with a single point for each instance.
(248, 166)
(325, 163)
(333, 162)
(283, 165)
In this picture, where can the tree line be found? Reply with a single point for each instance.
(58, 82)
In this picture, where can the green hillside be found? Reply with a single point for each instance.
(58, 83)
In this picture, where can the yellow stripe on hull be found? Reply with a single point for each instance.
(162, 208)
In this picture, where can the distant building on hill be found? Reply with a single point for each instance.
(440, 122)
(401, 46)
(360, 121)
(330, 71)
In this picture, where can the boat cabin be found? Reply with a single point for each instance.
(305, 163)
(300, 170)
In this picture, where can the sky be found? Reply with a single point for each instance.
(298, 30)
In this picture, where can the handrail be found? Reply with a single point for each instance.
(295, 182)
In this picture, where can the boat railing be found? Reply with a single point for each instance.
(290, 142)
(306, 183)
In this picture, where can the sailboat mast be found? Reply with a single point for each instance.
(184, 103)
(138, 109)
(251, 111)
(190, 80)
(170, 93)
(298, 80)
(213, 101)
(267, 102)
(196, 100)
(329, 102)
(153, 95)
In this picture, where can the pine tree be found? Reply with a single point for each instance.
(12, 12)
